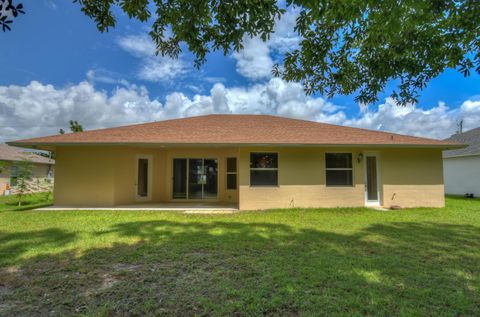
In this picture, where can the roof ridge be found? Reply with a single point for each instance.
(231, 128)
(245, 115)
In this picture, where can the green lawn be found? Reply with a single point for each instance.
(421, 262)
(29, 201)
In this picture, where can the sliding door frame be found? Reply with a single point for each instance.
(188, 179)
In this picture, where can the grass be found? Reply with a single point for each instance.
(333, 262)
(29, 201)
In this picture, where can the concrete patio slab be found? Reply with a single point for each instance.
(192, 208)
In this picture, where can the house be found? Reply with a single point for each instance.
(42, 169)
(250, 161)
(462, 166)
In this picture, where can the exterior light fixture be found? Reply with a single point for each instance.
(359, 157)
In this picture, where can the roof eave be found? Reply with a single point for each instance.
(51, 146)
(461, 155)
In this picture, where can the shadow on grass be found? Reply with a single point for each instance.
(228, 268)
(14, 245)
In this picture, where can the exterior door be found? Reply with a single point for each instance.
(143, 181)
(195, 178)
(372, 186)
(210, 184)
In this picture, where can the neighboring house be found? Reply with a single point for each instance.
(252, 161)
(462, 166)
(42, 169)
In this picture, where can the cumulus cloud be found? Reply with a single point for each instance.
(40, 109)
(255, 60)
(284, 37)
(152, 68)
(437, 122)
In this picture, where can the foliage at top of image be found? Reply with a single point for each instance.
(9, 11)
(347, 47)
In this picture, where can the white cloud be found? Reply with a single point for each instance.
(106, 77)
(138, 45)
(153, 68)
(38, 109)
(163, 69)
(436, 122)
(255, 61)
(284, 37)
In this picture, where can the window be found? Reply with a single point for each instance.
(231, 173)
(339, 171)
(263, 169)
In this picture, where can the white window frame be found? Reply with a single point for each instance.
(264, 169)
(339, 169)
(379, 178)
(188, 178)
(231, 173)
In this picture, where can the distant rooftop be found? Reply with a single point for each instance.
(471, 137)
(11, 153)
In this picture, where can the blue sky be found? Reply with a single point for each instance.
(56, 66)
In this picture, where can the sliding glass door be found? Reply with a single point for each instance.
(210, 186)
(195, 178)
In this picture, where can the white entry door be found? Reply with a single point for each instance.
(372, 180)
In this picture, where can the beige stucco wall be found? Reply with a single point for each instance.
(84, 176)
(412, 178)
(408, 178)
(301, 178)
(105, 176)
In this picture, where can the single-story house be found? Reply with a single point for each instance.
(462, 166)
(250, 161)
(43, 169)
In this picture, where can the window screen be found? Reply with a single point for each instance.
(339, 171)
(263, 169)
(232, 173)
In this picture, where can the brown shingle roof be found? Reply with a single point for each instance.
(11, 153)
(234, 129)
